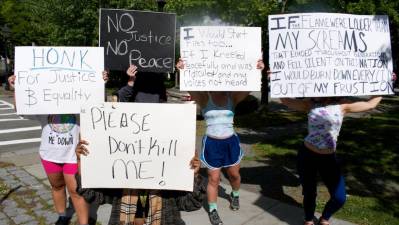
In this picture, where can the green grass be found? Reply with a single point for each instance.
(362, 210)
(263, 118)
(3, 189)
(368, 148)
(169, 83)
(109, 91)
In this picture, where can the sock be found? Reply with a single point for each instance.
(212, 206)
(235, 193)
(63, 214)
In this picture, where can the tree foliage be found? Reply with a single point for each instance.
(75, 22)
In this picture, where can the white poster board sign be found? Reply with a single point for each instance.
(138, 145)
(57, 80)
(220, 58)
(328, 54)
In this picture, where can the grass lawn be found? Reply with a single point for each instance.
(368, 148)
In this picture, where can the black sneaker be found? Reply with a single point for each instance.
(63, 220)
(92, 221)
(234, 202)
(214, 218)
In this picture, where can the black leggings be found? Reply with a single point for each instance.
(309, 165)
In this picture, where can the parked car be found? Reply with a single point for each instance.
(176, 96)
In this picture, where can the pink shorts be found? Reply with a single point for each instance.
(66, 168)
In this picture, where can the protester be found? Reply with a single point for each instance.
(150, 207)
(318, 154)
(59, 160)
(142, 87)
(220, 144)
(148, 86)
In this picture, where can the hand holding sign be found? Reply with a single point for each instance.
(195, 164)
(132, 71)
(105, 76)
(11, 81)
(81, 148)
(260, 65)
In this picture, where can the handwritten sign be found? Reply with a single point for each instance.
(138, 145)
(57, 80)
(220, 58)
(145, 39)
(323, 54)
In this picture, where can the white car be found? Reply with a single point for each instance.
(176, 96)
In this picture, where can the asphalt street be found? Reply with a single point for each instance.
(16, 133)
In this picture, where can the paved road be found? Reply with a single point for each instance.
(16, 133)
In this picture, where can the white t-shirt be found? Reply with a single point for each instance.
(60, 135)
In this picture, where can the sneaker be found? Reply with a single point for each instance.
(214, 218)
(63, 220)
(323, 221)
(92, 221)
(234, 202)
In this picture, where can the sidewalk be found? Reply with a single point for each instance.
(26, 199)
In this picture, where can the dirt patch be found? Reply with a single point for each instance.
(5, 164)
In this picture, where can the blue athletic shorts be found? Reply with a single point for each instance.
(218, 153)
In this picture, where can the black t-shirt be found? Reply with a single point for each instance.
(149, 83)
(125, 93)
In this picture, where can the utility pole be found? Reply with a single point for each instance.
(161, 5)
(6, 32)
(283, 4)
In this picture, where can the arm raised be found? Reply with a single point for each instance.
(361, 106)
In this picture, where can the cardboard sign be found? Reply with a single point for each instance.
(138, 145)
(145, 39)
(220, 58)
(57, 80)
(327, 54)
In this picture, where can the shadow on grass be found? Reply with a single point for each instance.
(272, 179)
(267, 116)
(369, 150)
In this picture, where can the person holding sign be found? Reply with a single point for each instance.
(318, 154)
(150, 207)
(146, 87)
(59, 138)
(221, 145)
